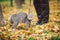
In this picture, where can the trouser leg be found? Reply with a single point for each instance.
(42, 12)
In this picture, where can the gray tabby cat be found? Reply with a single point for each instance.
(21, 18)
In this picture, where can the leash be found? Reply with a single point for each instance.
(29, 11)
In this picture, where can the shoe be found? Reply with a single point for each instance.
(41, 23)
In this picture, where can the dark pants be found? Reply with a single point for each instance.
(42, 9)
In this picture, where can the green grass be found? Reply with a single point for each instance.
(31, 38)
(4, 0)
(55, 38)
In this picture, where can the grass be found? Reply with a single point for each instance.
(55, 38)
(31, 38)
(4, 0)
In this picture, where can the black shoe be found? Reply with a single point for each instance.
(38, 23)
(42, 22)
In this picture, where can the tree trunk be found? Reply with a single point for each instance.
(19, 3)
(11, 2)
(2, 23)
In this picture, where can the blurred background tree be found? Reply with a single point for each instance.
(11, 2)
(19, 3)
(2, 23)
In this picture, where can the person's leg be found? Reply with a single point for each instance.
(37, 8)
(42, 9)
(44, 17)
